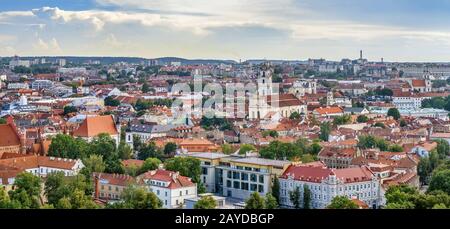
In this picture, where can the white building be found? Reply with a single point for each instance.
(19, 63)
(325, 184)
(15, 86)
(408, 102)
(264, 103)
(41, 84)
(170, 187)
(42, 166)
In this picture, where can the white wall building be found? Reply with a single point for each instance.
(170, 187)
(325, 184)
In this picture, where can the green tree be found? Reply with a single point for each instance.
(443, 148)
(70, 109)
(227, 149)
(189, 167)
(170, 148)
(94, 163)
(342, 120)
(306, 197)
(380, 124)
(314, 148)
(270, 202)
(110, 101)
(27, 190)
(362, 119)
(145, 88)
(245, 148)
(276, 189)
(64, 203)
(65, 146)
(403, 123)
(294, 197)
(393, 112)
(342, 202)
(125, 151)
(440, 181)
(255, 201)
(2, 121)
(138, 198)
(325, 130)
(396, 148)
(150, 164)
(271, 133)
(295, 116)
(150, 150)
(206, 202)
(104, 145)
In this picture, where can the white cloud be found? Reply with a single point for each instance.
(50, 46)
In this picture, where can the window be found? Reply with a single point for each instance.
(236, 175)
(244, 176)
(236, 184)
(253, 187)
(244, 186)
(204, 171)
(187, 192)
(177, 202)
(260, 188)
(228, 184)
(165, 193)
(207, 163)
(229, 174)
(165, 202)
(117, 189)
(157, 192)
(109, 188)
(103, 187)
(261, 179)
(181, 193)
(253, 177)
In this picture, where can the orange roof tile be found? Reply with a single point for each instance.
(93, 126)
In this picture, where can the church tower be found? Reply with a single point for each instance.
(330, 98)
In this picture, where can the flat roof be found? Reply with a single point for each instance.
(261, 161)
(208, 155)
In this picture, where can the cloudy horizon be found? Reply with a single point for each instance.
(401, 30)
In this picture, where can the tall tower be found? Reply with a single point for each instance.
(330, 98)
(265, 83)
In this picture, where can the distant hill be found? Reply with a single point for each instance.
(135, 60)
(168, 60)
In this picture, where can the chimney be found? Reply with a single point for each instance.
(361, 54)
(96, 183)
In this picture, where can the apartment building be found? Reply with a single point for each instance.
(236, 176)
(170, 187)
(325, 184)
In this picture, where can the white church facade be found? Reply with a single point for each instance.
(267, 102)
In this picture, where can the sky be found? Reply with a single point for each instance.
(396, 30)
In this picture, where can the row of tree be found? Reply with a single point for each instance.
(301, 150)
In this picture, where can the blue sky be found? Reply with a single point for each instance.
(397, 30)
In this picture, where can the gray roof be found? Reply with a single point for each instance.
(262, 161)
(146, 128)
(208, 155)
(354, 109)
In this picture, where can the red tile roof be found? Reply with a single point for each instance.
(175, 180)
(9, 136)
(329, 110)
(93, 126)
(115, 179)
(418, 83)
(317, 174)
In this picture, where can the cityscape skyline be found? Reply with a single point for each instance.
(400, 31)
